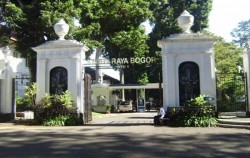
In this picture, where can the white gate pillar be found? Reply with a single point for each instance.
(6, 80)
(65, 54)
(186, 47)
(246, 64)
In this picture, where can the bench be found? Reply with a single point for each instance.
(164, 121)
(161, 121)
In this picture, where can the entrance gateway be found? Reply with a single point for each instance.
(188, 68)
(187, 59)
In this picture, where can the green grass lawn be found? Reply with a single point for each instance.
(96, 114)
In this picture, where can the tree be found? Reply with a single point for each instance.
(126, 44)
(230, 83)
(30, 23)
(6, 33)
(100, 20)
(241, 34)
(115, 27)
(227, 55)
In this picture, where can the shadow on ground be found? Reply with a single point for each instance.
(93, 143)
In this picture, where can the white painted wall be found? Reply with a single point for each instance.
(180, 48)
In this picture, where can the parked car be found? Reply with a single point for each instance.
(125, 106)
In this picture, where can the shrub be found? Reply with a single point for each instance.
(198, 101)
(28, 102)
(22, 104)
(66, 99)
(55, 121)
(56, 110)
(109, 108)
(191, 116)
(69, 120)
(30, 94)
(198, 113)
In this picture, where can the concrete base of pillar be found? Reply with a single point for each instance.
(248, 114)
(7, 117)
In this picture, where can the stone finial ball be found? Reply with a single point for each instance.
(61, 29)
(185, 21)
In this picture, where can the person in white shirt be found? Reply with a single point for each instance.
(158, 119)
(162, 112)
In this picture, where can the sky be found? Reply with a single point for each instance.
(225, 16)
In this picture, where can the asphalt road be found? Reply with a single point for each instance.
(126, 135)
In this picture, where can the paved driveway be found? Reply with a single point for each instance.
(126, 135)
(125, 119)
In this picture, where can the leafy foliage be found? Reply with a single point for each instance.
(230, 82)
(227, 57)
(241, 34)
(62, 121)
(231, 89)
(192, 116)
(29, 100)
(66, 99)
(30, 23)
(30, 94)
(109, 108)
(22, 104)
(198, 101)
(114, 27)
(126, 44)
(56, 110)
(4, 41)
(198, 113)
(143, 78)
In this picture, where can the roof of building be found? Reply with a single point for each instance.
(91, 71)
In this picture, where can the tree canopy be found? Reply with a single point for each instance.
(230, 79)
(113, 26)
(101, 20)
(28, 21)
(241, 34)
